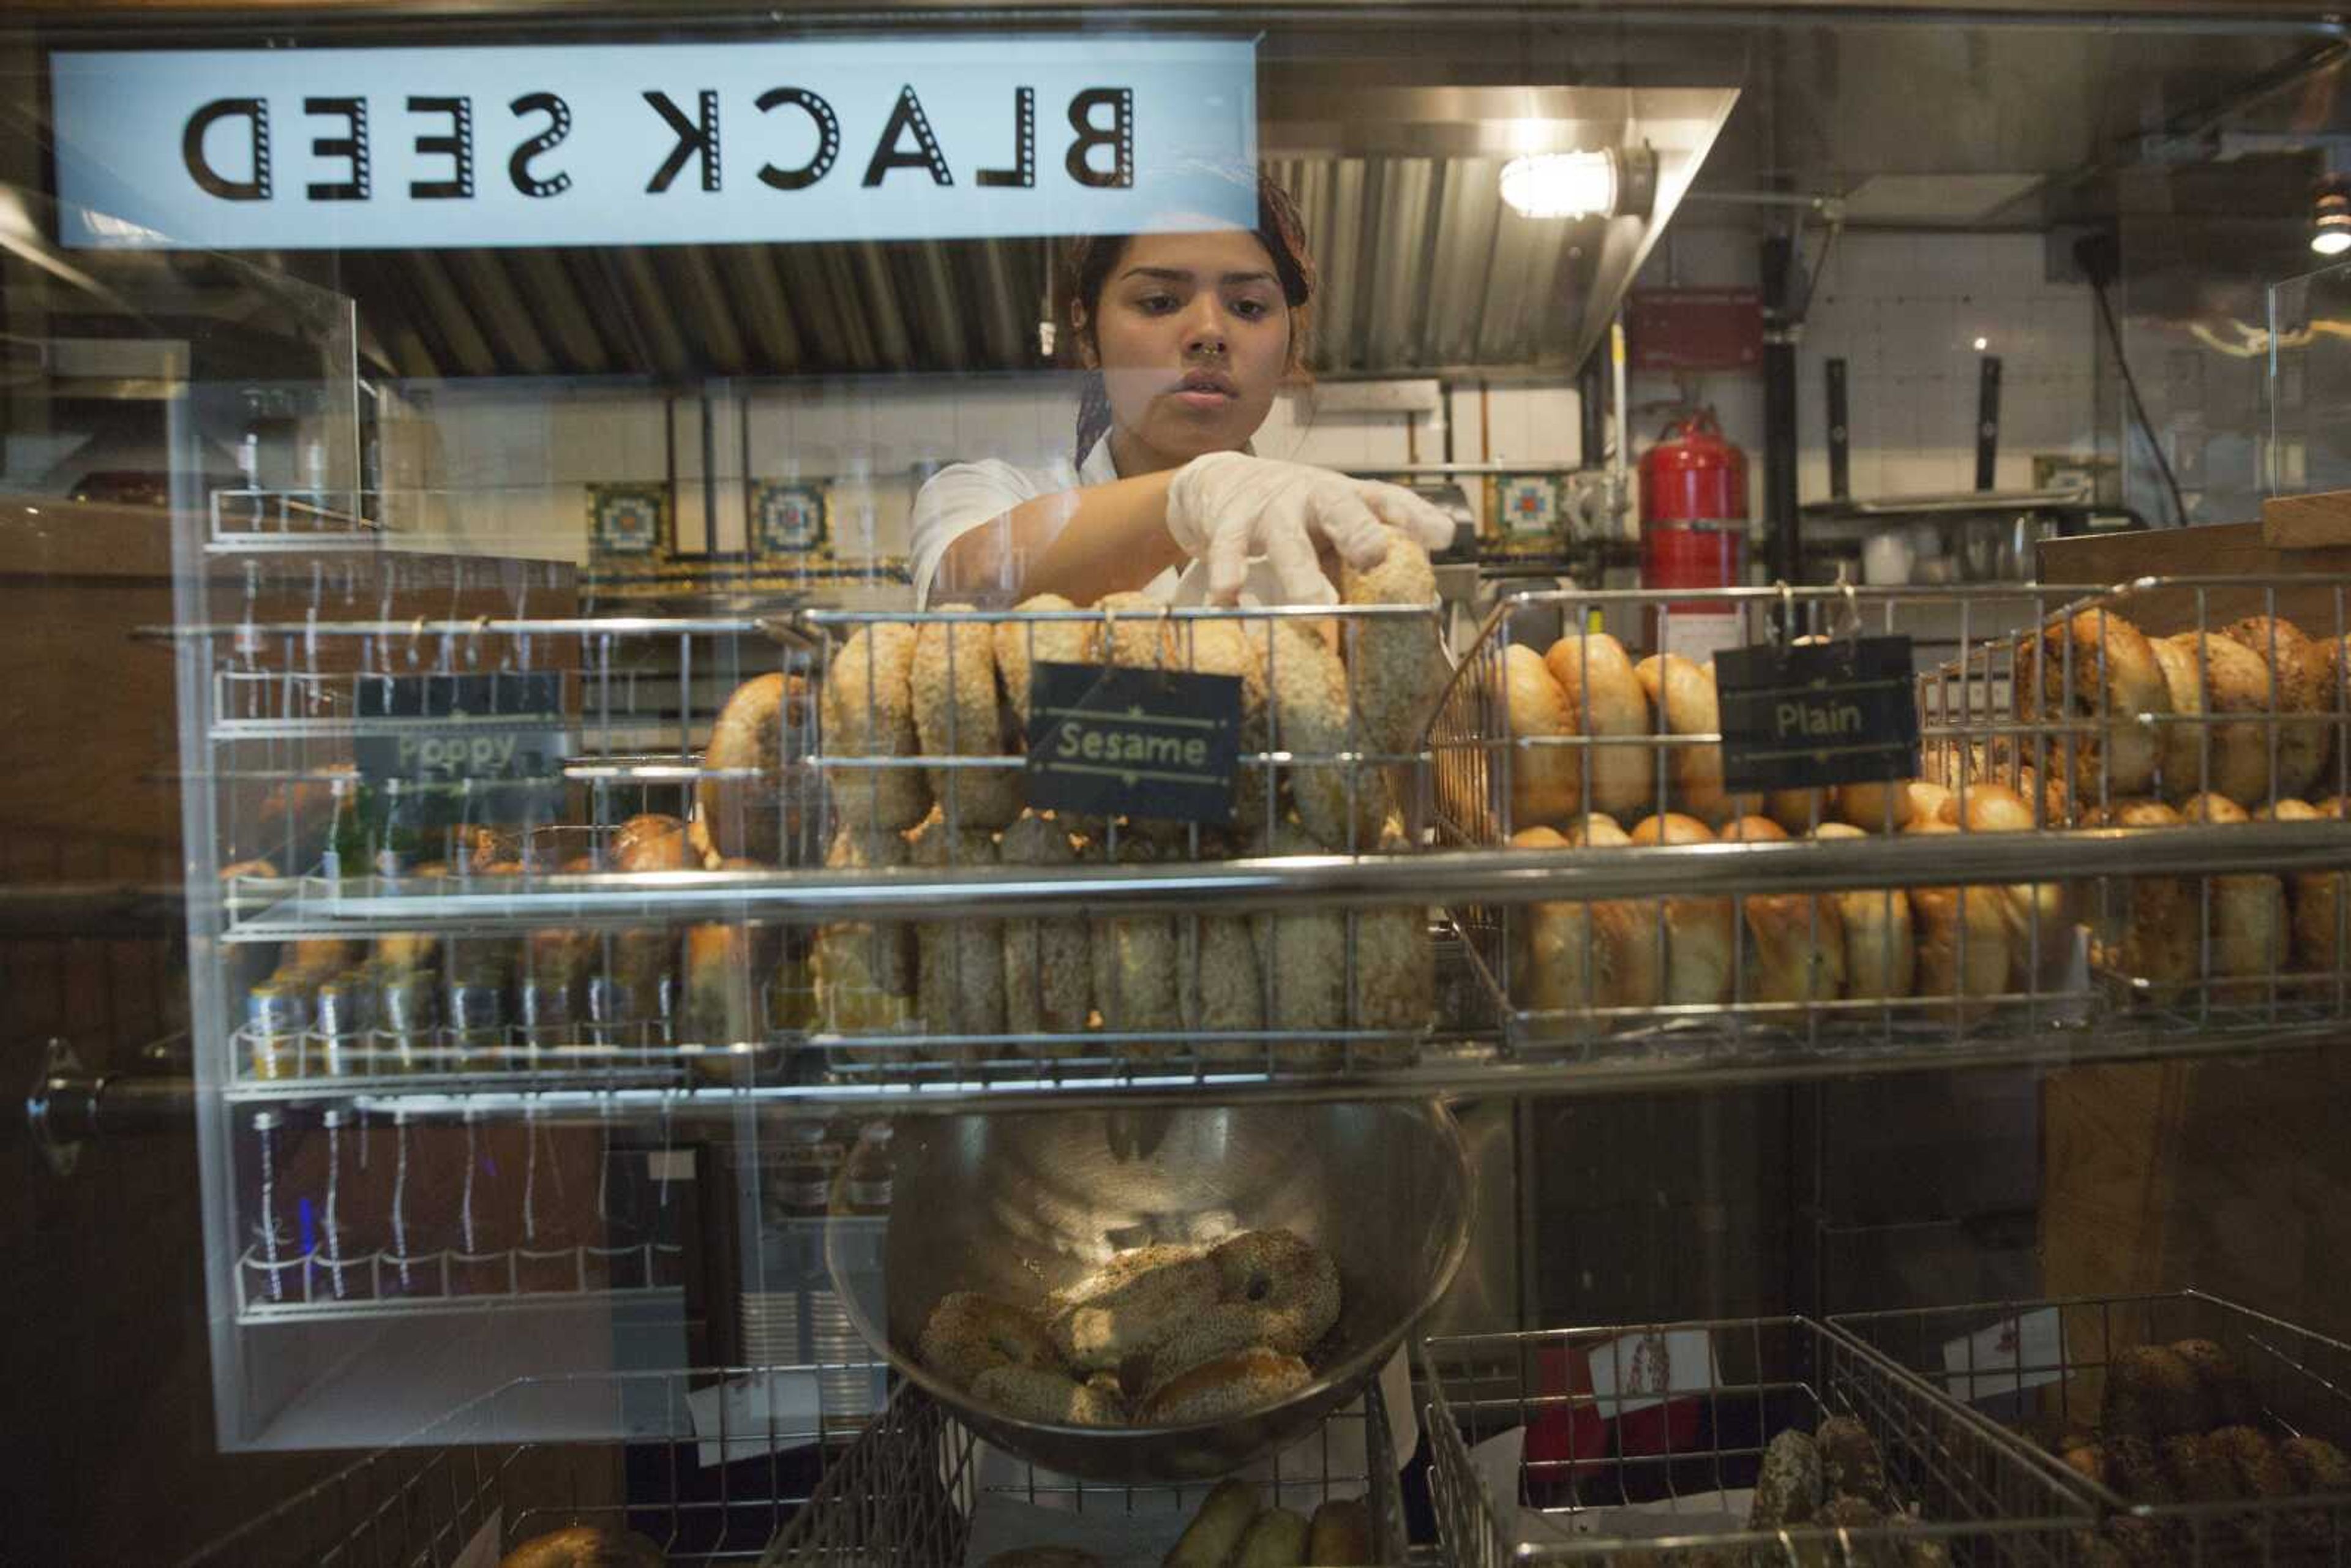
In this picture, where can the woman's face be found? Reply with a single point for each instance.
(1192, 339)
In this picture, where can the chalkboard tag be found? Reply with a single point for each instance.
(1115, 741)
(504, 733)
(1840, 711)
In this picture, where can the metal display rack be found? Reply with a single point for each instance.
(1569, 1494)
(2034, 1373)
(739, 1464)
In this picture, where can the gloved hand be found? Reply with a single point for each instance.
(1225, 507)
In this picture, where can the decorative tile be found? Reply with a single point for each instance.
(1527, 506)
(629, 521)
(788, 520)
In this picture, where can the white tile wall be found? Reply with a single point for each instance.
(1903, 312)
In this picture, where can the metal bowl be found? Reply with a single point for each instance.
(1019, 1204)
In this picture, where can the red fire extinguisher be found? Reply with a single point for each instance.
(1693, 533)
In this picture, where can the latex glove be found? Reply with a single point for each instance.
(1227, 507)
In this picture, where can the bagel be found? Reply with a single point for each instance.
(1219, 989)
(1048, 963)
(639, 962)
(2201, 753)
(958, 963)
(1049, 1394)
(1605, 701)
(865, 972)
(1135, 965)
(1963, 937)
(2249, 928)
(959, 714)
(757, 732)
(1683, 696)
(1020, 644)
(726, 962)
(1930, 803)
(1874, 808)
(1133, 634)
(2321, 950)
(1291, 1285)
(1226, 1386)
(1341, 804)
(2094, 665)
(1881, 949)
(1545, 781)
(584, 1546)
(2299, 685)
(1128, 1306)
(1217, 1529)
(867, 708)
(1210, 647)
(1340, 1532)
(1699, 952)
(2039, 916)
(1397, 661)
(1276, 1539)
(968, 1334)
(1303, 957)
(1570, 957)
(1394, 987)
(2161, 925)
(1796, 948)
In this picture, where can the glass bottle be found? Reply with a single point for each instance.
(546, 1256)
(342, 1016)
(871, 1170)
(277, 1225)
(410, 1264)
(276, 1018)
(481, 1260)
(342, 1267)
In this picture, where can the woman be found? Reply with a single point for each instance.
(1185, 338)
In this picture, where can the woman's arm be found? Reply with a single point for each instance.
(1081, 544)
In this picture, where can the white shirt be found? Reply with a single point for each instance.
(957, 499)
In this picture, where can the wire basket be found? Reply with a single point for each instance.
(646, 1463)
(1693, 1407)
(2034, 1374)
(911, 1488)
(1552, 738)
(2161, 704)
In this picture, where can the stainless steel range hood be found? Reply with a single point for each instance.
(1425, 263)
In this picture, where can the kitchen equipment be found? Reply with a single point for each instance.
(1693, 531)
(1015, 1206)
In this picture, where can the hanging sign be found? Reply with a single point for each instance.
(912, 138)
(1840, 710)
(1131, 742)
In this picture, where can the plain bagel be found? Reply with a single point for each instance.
(1700, 956)
(1605, 701)
(756, 733)
(1683, 696)
(1881, 949)
(1546, 779)
(1795, 951)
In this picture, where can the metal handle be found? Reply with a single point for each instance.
(68, 1105)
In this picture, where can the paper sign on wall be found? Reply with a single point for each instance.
(903, 138)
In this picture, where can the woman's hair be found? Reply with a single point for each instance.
(1087, 261)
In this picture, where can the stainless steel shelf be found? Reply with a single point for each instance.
(288, 909)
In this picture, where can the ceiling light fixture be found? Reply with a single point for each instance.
(2330, 225)
(1605, 184)
(1561, 184)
